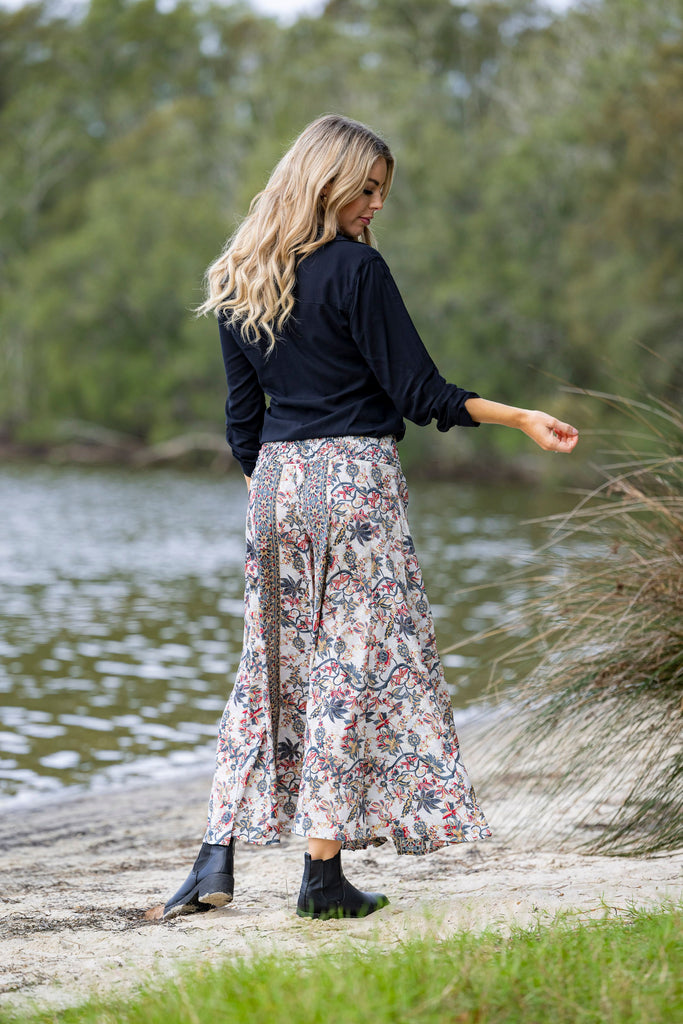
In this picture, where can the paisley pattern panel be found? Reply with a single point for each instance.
(340, 724)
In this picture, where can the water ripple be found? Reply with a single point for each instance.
(121, 598)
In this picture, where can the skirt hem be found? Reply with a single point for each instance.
(404, 845)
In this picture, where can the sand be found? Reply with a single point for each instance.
(79, 875)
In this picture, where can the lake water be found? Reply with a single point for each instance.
(121, 611)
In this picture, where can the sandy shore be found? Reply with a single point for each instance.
(78, 876)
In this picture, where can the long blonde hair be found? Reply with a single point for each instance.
(252, 281)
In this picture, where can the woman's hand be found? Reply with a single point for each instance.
(248, 479)
(549, 434)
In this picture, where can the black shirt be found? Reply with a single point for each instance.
(349, 361)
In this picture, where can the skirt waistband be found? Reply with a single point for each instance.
(380, 450)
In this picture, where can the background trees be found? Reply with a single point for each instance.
(534, 226)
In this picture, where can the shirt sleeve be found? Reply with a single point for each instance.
(246, 404)
(389, 342)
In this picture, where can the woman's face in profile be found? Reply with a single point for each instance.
(357, 214)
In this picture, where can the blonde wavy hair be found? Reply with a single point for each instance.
(252, 281)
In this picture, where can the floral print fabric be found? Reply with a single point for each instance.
(339, 725)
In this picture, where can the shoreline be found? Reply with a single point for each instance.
(79, 875)
(101, 787)
(207, 452)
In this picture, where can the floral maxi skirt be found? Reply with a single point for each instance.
(339, 725)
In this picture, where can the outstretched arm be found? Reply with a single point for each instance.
(550, 434)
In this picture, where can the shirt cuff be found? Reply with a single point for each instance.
(455, 414)
(248, 465)
(466, 420)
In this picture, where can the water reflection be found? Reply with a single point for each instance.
(121, 611)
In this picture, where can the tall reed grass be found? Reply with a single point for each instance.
(602, 704)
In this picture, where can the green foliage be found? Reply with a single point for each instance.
(610, 971)
(534, 225)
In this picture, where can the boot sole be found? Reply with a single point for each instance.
(216, 899)
(216, 889)
(338, 913)
(213, 891)
(181, 910)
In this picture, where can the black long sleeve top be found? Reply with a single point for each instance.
(349, 362)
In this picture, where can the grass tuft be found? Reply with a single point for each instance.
(603, 700)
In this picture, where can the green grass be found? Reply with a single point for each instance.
(613, 970)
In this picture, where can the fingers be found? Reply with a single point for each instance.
(564, 437)
(553, 435)
(561, 429)
(565, 444)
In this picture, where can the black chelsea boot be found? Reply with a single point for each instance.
(209, 884)
(326, 893)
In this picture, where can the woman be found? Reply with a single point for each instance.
(339, 727)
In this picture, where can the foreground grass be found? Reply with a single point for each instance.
(614, 970)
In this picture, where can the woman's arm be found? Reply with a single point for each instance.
(391, 346)
(550, 434)
(246, 404)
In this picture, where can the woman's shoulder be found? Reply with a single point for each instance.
(343, 257)
(337, 270)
